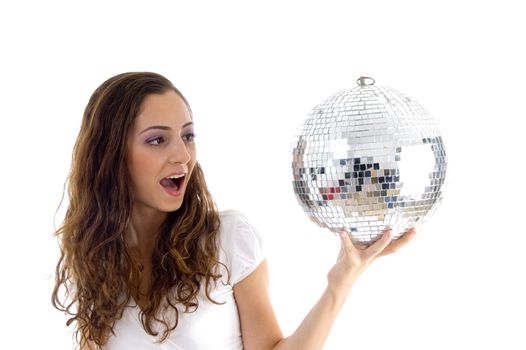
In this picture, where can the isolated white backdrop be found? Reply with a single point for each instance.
(252, 71)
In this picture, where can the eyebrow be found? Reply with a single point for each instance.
(162, 127)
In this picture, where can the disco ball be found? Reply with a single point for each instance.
(368, 158)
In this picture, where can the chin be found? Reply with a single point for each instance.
(172, 208)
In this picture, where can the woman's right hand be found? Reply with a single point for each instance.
(353, 259)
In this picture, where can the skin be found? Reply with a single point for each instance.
(148, 163)
(256, 315)
(152, 155)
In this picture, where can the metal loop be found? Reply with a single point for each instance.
(362, 81)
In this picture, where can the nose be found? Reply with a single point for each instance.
(179, 153)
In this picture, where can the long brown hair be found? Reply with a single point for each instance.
(95, 267)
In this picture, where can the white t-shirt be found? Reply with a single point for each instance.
(211, 326)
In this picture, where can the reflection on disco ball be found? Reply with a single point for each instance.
(367, 158)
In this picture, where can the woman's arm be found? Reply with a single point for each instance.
(259, 326)
(258, 323)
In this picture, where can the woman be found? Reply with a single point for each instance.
(147, 261)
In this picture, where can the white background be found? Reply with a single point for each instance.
(252, 71)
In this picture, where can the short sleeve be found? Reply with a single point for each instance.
(242, 245)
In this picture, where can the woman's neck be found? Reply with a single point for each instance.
(144, 230)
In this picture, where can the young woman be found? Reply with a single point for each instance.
(147, 260)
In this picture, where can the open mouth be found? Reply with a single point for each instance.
(173, 183)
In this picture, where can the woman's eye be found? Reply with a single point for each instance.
(156, 141)
(190, 136)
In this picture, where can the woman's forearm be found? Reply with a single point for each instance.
(315, 327)
(313, 331)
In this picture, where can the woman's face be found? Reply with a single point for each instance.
(160, 144)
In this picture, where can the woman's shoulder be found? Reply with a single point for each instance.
(241, 243)
(235, 223)
(231, 213)
(232, 216)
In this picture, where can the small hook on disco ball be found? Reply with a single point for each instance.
(365, 81)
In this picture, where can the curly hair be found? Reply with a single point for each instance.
(95, 266)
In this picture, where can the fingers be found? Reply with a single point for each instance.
(378, 246)
(395, 245)
(381, 247)
(347, 245)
